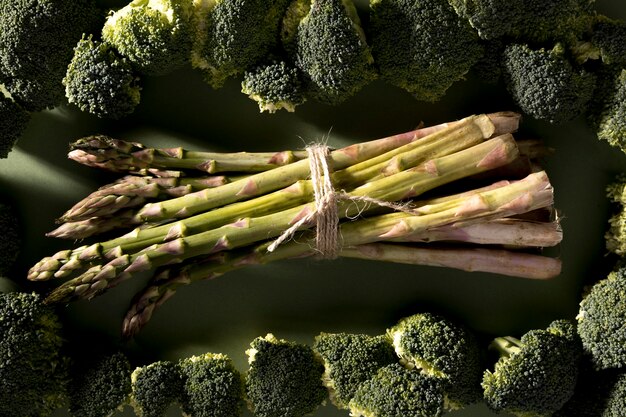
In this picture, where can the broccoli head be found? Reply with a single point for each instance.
(99, 386)
(397, 391)
(616, 235)
(284, 378)
(544, 84)
(274, 85)
(601, 319)
(607, 110)
(443, 349)
(234, 35)
(422, 46)
(349, 360)
(10, 242)
(212, 387)
(154, 388)
(13, 122)
(535, 375)
(606, 43)
(597, 394)
(33, 369)
(492, 19)
(101, 82)
(36, 43)
(154, 35)
(331, 50)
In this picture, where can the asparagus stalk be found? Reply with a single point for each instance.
(65, 262)
(121, 156)
(133, 191)
(518, 197)
(265, 182)
(530, 193)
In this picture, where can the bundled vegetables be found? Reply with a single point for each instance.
(189, 222)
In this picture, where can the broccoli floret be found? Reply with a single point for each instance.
(36, 43)
(544, 84)
(397, 391)
(443, 349)
(212, 387)
(13, 122)
(100, 386)
(601, 319)
(616, 235)
(607, 109)
(349, 360)
(234, 35)
(155, 35)
(33, 369)
(330, 48)
(597, 394)
(10, 242)
(535, 375)
(422, 46)
(101, 82)
(155, 387)
(274, 85)
(284, 378)
(527, 20)
(606, 43)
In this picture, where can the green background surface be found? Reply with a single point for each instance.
(298, 299)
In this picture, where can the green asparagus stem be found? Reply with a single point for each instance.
(66, 262)
(496, 261)
(521, 196)
(133, 191)
(268, 181)
(121, 156)
(528, 194)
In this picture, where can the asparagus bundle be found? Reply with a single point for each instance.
(189, 226)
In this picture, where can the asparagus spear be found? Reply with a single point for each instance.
(518, 197)
(65, 262)
(530, 193)
(117, 155)
(132, 191)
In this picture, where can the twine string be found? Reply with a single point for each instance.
(326, 212)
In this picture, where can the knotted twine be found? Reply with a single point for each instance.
(326, 213)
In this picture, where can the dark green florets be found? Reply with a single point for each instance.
(155, 35)
(535, 376)
(397, 391)
(492, 19)
(36, 43)
(100, 387)
(332, 52)
(422, 46)
(10, 241)
(212, 387)
(284, 378)
(615, 236)
(349, 360)
(545, 85)
(607, 110)
(13, 122)
(236, 35)
(601, 319)
(101, 82)
(274, 85)
(33, 371)
(442, 349)
(155, 387)
(609, 40)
